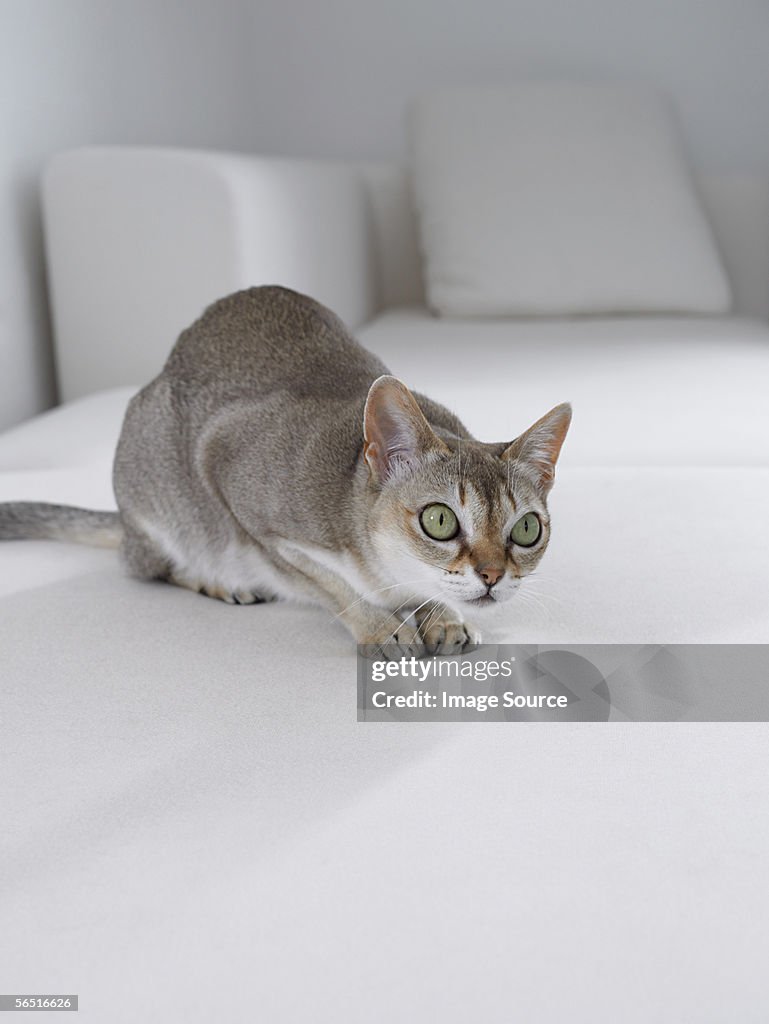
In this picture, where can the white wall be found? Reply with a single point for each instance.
(332, 77)
(81, 71)
(322, 77)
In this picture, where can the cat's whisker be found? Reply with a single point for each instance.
(413, 611)
(549, 595)
(540, 605)
(435, 611)
(530, 600)
(433, 614)
(364, 597)
(533, 586)
(378, 590)
(524, 600)
(428, 601)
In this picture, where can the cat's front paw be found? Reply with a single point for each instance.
(450, 638)
(444, 632)
(434, 629)
(395, 640)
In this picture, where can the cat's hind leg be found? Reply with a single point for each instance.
(142, 557)
(145, 558)
(215, 590)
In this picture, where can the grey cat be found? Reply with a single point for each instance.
(274, 457)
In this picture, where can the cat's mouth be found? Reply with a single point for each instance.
(483, 601)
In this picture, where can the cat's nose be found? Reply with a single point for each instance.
(490, 574)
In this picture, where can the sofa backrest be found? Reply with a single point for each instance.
(139, 240)
(737, 205)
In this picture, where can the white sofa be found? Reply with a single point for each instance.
(670, 413)
(187, 784)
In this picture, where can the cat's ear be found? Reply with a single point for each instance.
(540, 446)
(395, 431)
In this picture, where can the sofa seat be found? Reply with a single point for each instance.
(185, 783)
(666, 532)
(645, 390)
(179, 774)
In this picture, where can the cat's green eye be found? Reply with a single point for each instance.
(439, 522)
(527, 530)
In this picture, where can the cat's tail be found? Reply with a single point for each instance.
(33, 520)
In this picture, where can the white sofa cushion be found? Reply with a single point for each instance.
(554, 198)
(664, 534)
(647, 391)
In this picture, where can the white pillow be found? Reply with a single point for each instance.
(553, 198)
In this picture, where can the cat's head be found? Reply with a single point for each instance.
(459, 521)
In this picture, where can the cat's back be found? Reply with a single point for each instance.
(267, 338)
